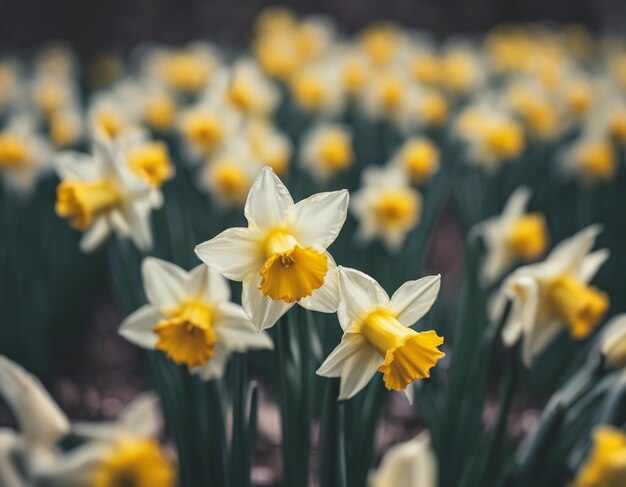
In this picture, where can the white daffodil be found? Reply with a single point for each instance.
(386, 95)
(41, 425)
(408, 464)
(613, 342)
(229, 174)
(122, 452)
(109, 114)
(24, 155)
(386, 206)
(99, 193)
(425, 107)
(66, 127)
(281, 256)
(591, 159)
(377, 334)
(553, 295)
(462, 68)
(148, 159)
(418, 157)
(51, 93)
(149, 102)
(270, 146)
(191, 319)
(511, 236)
(327, 150)
(317, 89)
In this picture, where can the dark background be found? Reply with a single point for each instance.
(92, 26)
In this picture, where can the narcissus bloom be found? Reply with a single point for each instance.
(327, 150)
(190, 318)
(99, 193)
(613, 342)
(606, 465)
(408, 464)
(511, 236)
(270, 146)
(591, 159)
(386, 206)
(249, 90)
(419, 158)
(317, 89)
(554, 295)
(377, 334)
(281, 256)
(122, 452)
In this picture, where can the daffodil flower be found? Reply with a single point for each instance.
(281, 256)
(511, 236)
(270, 146)
(190, 318)
(613, 342)
(553, 295)
(109, 115)
(41, 425)
(99, 193)
(317, 89)
(121, 452)
(606, 465)
(327, 150)
(407, 464)
(418, 157)
(386, 206)
(591, 159)
(378, 334)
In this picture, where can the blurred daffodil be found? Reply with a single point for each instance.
(554, 295)
(377, 334)
(606, 464)
(317, 89)
(270, 146)
(281, 256)
(419, 158)
(327, 150)
(250, 91)
(511, 236)
(591, 159)
(99, 193)
(386, 206)
(191, 319)
(66, 127)
(613, 342)
(386, 95)
(109, 115)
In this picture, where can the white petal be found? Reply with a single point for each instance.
(142, 417)
(410, 393)
(164, 283)
(359, 294)
(235, 253)
(214, 368)
(413, 299)
(350, 344)
(39, 418)
(138, 217)
(207, 285)
(77, 467)
(235, 331)
(268, 201)
(138, 328)
(525, 294)
(318, 219)
(537, 338)
(358, 371)
(95, 235)
(516, 204)
(569, 254)
(263, 312)
(71, 165)
(11, 448)
(326, 298)
(591, 264)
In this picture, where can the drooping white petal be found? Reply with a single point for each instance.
(357, 371)
(568, 255)
(207, 285)
(326, 298)
(164, 283)
(142, 417)
(525, 294)
(360, 294)
(39, 418)
(235, 332)
(268, 201)
(95, 235)
(214, 368)
(235, 253)
(137, 214)
(263, 312)
(71, 165)
(591, 264)
(138, 328)
(537, 337)
(318, 219)
(516, 204)
(413, 299)
(350, 344)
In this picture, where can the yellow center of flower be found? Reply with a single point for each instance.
(290, 272)
(353, 76)
(13, 152)
(160, 111)
(109, 123)
(408, 355)
(203, 130)
(151, 163)
(64, 129)
(599, 161)
(606, 466)
(528, 237)
(136, 464)
(426, 70)
(380, 44)
(504, 140)
(187, 336)
(391, 92)
(396, 209)
(50, 96)
(434, 109)
(457, 71)
(80, 201)
(308, 91)
(240, 95)
(231, 181)
(421, 159)
(580, 305)
(336, 151)
(186, 73)
(579, 100)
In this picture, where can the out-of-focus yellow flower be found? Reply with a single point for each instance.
(552, 295)
(277, 55)
(377, 334)
(270, 147)
(426, 107)
(109, 115)
(160, 111)
(613, 343)
(52, 93)
(318, 89)
(426, 68)
(606, 464)
(419, 158)
(56, 60)
(313, 36)
(461, 69)
(382, 42)
(66, 127)
(274, 20)
(512, 236)
(408, 464)
(355, 69)
(327, 150)
(386, 206)
(386, 95)
(590, 159)
(509, 49)
(538, 111)
(99, 193)
(281, 256)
